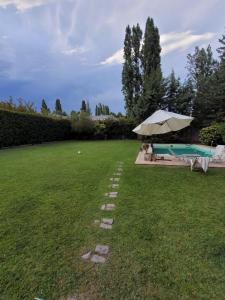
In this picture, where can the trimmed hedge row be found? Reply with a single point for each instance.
(22, 128)
(86, 129)
(115, 129)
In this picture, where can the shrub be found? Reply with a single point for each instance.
(213, 135)
(22, 128)
(84, 128)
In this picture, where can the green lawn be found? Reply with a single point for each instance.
(168, 240)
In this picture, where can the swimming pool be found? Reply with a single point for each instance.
(181, 150)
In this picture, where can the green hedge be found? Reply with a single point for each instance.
(22, 128)
(115, 129)
(87, 129)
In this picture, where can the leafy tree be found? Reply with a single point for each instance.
(8, 104)
(74, 115)
(102, 109)
(171, 99)
(127, 73)
(186, 98)
(202, 68)
(25, 106)
(220, 83)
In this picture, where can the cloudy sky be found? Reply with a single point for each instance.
(72, 49)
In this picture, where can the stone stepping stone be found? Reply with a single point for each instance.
(117, 174)
(107, 221)
(108, 207)
(120, 170)
(115, 179)
(97, 259)
(105, 226)
(96, 222)
(86, 256)
(111, 194)
(102, 249)
(114, 185)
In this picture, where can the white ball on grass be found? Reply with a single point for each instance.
(79, 152)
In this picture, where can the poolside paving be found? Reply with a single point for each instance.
(171, 161)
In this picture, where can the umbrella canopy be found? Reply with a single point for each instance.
(163, 121)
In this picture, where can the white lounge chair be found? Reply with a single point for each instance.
(219, 153)
(199, 163)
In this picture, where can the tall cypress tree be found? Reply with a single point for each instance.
(58, 107)
(44, 108)
(88, 109)
(136, 62)
(152, 76)
(83, 106)
(127, 73)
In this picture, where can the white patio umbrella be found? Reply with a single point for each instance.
(163, 121)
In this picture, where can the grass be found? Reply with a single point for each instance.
(168, 240)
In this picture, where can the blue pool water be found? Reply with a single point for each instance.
(181, 150)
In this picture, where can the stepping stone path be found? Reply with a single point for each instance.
(108, 207)
(98, 256)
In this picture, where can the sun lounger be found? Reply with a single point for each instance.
(199, 163)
